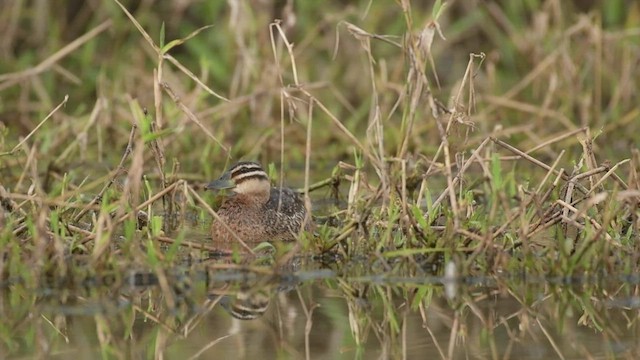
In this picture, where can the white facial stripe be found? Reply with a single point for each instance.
(240, 168)
(258, 174)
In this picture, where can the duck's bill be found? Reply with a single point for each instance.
(221, 184)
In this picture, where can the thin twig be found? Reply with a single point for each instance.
(193, 117)
(151, 200)
(219, 220)
(536, 161)
(113, 178)
(15, 148)
(186, 243)
(463, 169)
(11, 79)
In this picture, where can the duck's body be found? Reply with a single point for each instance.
(256, 212)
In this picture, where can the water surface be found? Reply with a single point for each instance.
(311, 310)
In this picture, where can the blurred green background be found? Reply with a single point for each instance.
(589, 49)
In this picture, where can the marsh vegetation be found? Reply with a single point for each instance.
(472, 168)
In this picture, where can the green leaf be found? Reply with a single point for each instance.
(264, 246)
(129, 228)
(438, 9)
(162, 35)
(419, 216)
(156, 225)
(151, 136)
(421, 293)
(174, 249)
(496, 172)
(174, 43)
(152, 256)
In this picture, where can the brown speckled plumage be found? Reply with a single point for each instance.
(256, 212)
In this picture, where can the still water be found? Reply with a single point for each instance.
(312, 310)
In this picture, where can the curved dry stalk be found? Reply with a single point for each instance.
(113, 178)
(15, 148)
(10, 79)
(217, 217)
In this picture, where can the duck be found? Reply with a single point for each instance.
(255, 211)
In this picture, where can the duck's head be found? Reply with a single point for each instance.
(246, 178)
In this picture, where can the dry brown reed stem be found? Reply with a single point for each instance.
(588, 156)
(581, 213)
(453, 201)
(341, 127)
(157, 149)
(152, 199)
(467, 77)
(569, 196)
(212, 343)
(260, 270)
(346, 231)
(307, 162)
(10, 79)
(455, 328)
(148, 202)
(133, 181)
(542, 225)
(218, 219)
(356, 30)
(186, 243)
(157, 94)
(378, 162)
(536, 162)
(416, 71)
(101, 104)
(320, 184)
(543, 144)
(592, 241)
(289, 47)
(541, 66)
(160, 52)
(113, 178)
(551, 171)
(550, 210)
(611, 173)
(148, 315)
(284, 95)
(163, 282)
(463, 169)
(549, 337)
(31, 158)
(308, 313)
(85, 187)
(193, 117)
(434, 339)
(15, 148)
(42, 200)
(158, 153)
(528, 201)
(355, 222)
(192, 323)
(526, 80)
(375, 124)
(556, 139)
(475, 237)
(194, 77)
(532, 109)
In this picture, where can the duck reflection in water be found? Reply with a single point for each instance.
(245, 305)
